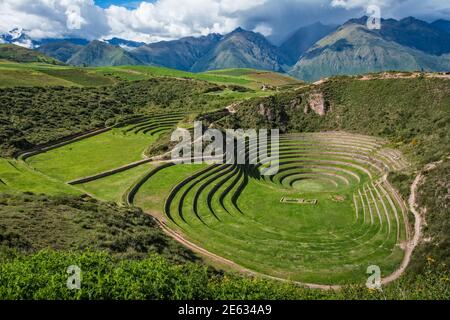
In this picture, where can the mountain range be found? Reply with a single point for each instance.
(405, 45)
(310, 53)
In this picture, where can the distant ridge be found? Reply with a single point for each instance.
(405, 45)
(98, 53)
(16, 53)
(178, 54)
(242, 49)
(309, 53)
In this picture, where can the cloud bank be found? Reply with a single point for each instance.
(173, 19)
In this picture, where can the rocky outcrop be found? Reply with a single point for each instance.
(317, 104)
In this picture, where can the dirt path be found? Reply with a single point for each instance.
(418, 224)
(223, 261)
(409, 248)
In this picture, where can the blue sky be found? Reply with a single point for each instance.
(155, 20)
(124, 3)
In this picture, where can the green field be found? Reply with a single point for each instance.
(358, 219)
(91, 156)
(39, 74)
(113, 188)
(324, 217)
(155, 191)
(327, 214)
(17, 177)
(105, 151)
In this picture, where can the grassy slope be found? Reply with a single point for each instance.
(297, 233)
(39, 74)
(94, 155)
(19, 54)
(155, 191)
(412, 113)
(16, 177)
(112, 188)
(31, 223)
(36, 115)
(13, 74)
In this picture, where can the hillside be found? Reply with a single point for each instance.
(39, 115)
(98, 53)
(441, 24)
(15, 53)
(25, 218)
(61, 50)
(396, 109)
(178, 54)
(353, 49)
(242, 49)
(416, 34)
(303, 39)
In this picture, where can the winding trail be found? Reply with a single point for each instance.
(408, 251)
(418, 224)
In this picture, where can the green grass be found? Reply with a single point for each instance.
(257, 77)
(39, 74)
(14, 74)
(28, 78)
(243, 219)
(94, 155)
(145, 72)
(69, 223)
(155, 191)
(16, 177)
(112, 188)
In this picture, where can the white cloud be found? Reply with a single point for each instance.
(53, 18)
(264, 29)
(400, 8)
(167, 19)
(352, 4)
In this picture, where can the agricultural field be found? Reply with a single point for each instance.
(337, 204)
(249, 78)
(327, 214)
(323, 218)
(40, 74)
(106, 151)
(257, 77)
(17, 177)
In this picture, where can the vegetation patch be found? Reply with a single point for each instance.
(31, 223)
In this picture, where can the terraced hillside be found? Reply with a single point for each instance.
(322, 219)
(104, 152)
(325, 216)
(38, 74)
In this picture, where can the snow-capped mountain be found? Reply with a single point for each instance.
(19, 37)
